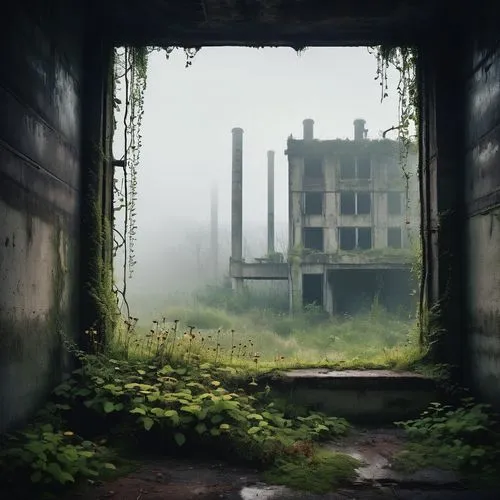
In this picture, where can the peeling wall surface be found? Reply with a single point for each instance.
(482, 192)
(40, 87)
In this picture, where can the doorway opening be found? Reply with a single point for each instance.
(318, 212)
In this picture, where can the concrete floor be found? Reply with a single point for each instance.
(209, 480)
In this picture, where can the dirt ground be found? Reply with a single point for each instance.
(172, 479)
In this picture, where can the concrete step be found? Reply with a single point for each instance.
(361, 396)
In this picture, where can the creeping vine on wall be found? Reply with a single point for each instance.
(404, 60)
(130, 80)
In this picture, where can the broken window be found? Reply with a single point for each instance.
(313, 204)
(313, 238)
(364, 168)
(347, 203)
(394, 203)
(347, 167)
(351, 238)
(313, 168)
(364, 238)
(355, 203)
(347, 238)
(312, 289)
(364, 203)
(394, 239)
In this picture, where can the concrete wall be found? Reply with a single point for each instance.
(40, 107)
(482, 194)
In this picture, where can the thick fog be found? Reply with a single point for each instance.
(189, 114)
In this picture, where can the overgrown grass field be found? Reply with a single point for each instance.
(257, 332)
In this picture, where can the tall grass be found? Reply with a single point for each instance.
(263, 339)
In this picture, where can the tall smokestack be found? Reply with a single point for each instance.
(359, 129)
(214, 232)
(237, 196)
(270, 202)
(308, 125)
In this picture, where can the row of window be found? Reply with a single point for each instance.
(351, 203)
(350, 168)
(351, 238)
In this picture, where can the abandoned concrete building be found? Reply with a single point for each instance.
(353, 222)
(56, 166)
(352, 219)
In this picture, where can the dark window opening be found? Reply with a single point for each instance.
(364, 167)
(364, 238)
(347, 168)
(394, 237)
(312, 289)
(394, 203)
(313, 238)
(364, 203)
(347, 203)
(313, 204)
(347, 237)
(313, 168)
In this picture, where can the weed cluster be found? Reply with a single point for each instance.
(51, 456)
(165, 400)
(466, 439)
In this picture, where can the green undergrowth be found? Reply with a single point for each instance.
(464, 438)
(265, 340)
(318, 472)
(175, 407)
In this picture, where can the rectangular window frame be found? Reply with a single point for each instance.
(307, 194)
(306, 229)
(356, 170)
(356, 210)
(357, 247)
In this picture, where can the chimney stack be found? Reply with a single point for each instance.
(270, 202)
(359, 129)
(237, 202)
(214, 232)
(308, 125)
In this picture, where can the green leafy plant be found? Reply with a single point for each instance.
(189, 405)
(318, 472)
(464, 439)
(51, 457)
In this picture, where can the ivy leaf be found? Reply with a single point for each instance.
(253, 430)
(148, 423)
(201, 428)
(180, 439)
(255, 416)
(108, 407)
(139, 411)
(109, 466)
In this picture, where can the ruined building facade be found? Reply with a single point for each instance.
(353, 220)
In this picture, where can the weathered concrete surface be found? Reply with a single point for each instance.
(375, 396)
(482, 193)
(259, 270)
(40, 61)
(206, 480)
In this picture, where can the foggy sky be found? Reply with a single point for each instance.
(189, 114)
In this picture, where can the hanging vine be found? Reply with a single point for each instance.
(130, 78)
(404, 60)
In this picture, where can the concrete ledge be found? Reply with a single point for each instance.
(259, 271)
(362, 396)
